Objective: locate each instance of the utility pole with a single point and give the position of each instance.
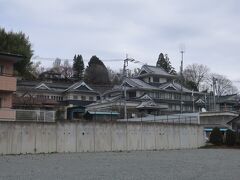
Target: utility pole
(214, 90)
(125, 64)
(193, 104)
(182, 50)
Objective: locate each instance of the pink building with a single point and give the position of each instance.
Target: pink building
(7, 85)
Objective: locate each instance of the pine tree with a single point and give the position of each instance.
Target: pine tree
(17, 43)
(96, 72)
(165, 63)
(78, 67)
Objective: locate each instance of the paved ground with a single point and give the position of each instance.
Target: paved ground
(220, 164)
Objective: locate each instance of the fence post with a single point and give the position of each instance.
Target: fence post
(126, 135)
(94, 135)
(44, 113)
(141, 133)
(155, 134)
(111, 124)
(37, 115)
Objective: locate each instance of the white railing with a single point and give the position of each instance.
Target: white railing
(35, 115)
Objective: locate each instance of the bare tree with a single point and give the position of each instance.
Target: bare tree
(57, 65)
(223, 85)
(36, 69)
(114, 77)
(67, 70)
(196, 73)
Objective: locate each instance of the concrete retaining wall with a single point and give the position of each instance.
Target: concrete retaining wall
(33, 137)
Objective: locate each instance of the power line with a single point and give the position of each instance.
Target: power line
(69, 59)
(85, 60)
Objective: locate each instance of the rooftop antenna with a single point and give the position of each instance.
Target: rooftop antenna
(182, 50)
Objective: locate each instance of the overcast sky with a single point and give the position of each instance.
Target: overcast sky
(142, 28)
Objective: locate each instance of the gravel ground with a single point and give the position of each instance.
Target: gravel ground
(220, 164)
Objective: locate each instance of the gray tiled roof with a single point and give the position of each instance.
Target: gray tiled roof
(156, 70)
(175, 85)
(53, 86)
(137, 83)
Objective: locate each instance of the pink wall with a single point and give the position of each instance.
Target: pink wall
(7, 87)
(7, 114)
(6, 100)
(8, 66)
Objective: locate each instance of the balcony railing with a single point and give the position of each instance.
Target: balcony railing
(7, 82)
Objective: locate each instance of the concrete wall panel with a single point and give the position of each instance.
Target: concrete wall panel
(119, 137)
(28, 138)
(15, 140)
(85, 137)
(60, 137)
(102, 137)
(148, 136)
(134, 136)
(70, 137)
(161, 137)
(46, 138)
(4, 138)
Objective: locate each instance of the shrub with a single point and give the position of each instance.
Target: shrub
(237, 139)
(216, 136)
(230, 137)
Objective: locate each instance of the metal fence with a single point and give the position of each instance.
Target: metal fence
(35, 115)
(187, 118)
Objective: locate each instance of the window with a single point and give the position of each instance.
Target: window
(83, 98)
(132, 94)
(162, 95)
(178, 107)
(90, 98)
(177, 96)
(188, 97)
(157, 95)
(156, 79)
(75, 97)
(1, 69)
(167, 95)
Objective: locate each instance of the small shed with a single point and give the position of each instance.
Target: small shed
(101, 115)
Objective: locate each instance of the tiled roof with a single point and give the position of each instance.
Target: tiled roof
(155, 70)
(137, 83)
(176, 85)
(52, 86)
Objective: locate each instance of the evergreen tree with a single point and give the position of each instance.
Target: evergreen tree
(17, 43)
(96, 72)
(165, 63)
(78, 67)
